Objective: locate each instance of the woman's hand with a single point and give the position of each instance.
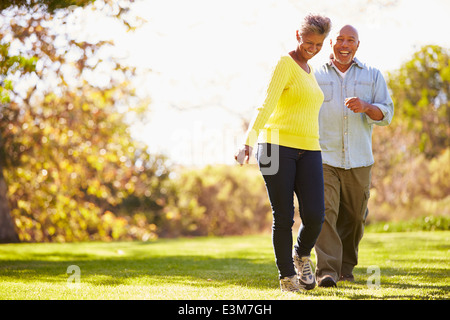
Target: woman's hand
(243, 154)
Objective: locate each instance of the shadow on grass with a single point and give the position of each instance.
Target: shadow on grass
(184, 270)
(202, 272)
(143, 266)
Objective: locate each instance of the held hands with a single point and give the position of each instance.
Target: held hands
(243, 154)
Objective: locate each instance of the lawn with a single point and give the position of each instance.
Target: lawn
(411, 265)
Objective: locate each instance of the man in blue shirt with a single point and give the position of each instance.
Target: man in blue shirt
(356, 98)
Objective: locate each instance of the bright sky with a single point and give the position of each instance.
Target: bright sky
(211, 59)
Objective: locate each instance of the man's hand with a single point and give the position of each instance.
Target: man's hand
(360, 106)
(243, 154)
(356, 104)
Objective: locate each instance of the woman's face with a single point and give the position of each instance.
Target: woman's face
(309, 44)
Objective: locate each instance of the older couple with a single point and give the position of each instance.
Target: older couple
(330, 175)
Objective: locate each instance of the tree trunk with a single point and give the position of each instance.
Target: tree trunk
(7, 232)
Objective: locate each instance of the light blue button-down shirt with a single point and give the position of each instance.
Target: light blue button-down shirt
(345, 136)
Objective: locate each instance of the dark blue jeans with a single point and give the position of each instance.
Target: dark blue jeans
(300, 172)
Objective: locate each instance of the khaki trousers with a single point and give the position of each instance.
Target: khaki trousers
(346, 195)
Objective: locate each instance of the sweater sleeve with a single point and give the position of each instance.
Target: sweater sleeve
(277, 84)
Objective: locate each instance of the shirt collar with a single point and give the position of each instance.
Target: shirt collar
(355, 61)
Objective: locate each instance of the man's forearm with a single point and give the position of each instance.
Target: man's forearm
(373, 112)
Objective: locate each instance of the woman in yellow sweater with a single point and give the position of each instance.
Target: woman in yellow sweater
(287, 130)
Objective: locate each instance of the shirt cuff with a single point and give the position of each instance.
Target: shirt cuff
(384, 110)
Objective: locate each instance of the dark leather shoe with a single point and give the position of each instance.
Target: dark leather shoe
(327, 282)
(347, 277)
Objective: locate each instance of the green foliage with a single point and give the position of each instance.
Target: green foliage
(412, 156)
(11, 64)
(114, 8)
(71, 164)
(50, 5)
(421, 94)
(406, 185)
(70, 161)
(426, 223)
(216, 200)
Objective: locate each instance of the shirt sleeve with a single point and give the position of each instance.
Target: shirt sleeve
(383, 101)
(277, 84)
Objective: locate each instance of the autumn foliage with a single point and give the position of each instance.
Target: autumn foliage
(74, 172)
(67, 154)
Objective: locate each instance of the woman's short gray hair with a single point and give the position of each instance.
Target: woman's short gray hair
(314, 23)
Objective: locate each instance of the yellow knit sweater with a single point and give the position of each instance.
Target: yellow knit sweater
(289, 115)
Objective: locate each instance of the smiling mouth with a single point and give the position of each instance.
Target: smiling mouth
(344, 53)
(310, 53)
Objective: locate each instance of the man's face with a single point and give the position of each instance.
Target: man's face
(345, 45)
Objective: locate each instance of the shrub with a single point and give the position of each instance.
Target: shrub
(216, 200)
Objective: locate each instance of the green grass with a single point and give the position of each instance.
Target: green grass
(412, 265)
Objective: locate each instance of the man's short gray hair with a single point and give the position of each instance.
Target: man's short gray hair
(314, 23)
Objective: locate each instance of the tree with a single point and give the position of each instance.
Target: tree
(412, 154)
(7, 230)
(71, 161)
(9, 65)
(421, 94)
